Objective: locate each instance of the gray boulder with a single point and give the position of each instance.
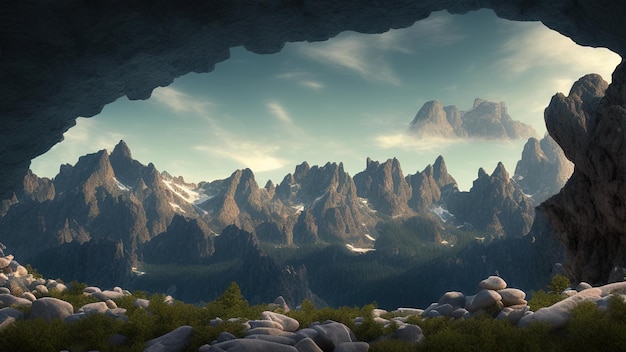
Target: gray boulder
(175, 341)
(409, 333)
(331, 334)
(307, 345)
(453, 298)
(270, 331)
(277, 339)
(8, 300)
(9, 315)
(50, 308)
(94, 308)
(251, 345)
(352, 347)
(483, 300)
(264, 324)
(289, 324)
(512, 297)
(493, 283)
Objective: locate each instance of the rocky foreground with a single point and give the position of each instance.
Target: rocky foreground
(23, 296)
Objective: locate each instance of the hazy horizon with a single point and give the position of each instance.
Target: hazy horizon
(343, 100)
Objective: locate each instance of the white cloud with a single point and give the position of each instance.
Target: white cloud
(85, 137)
(355, 53)
(278, 111)
(368, 55)
(312, 84)
(180, 102)
(410, 142)
(539, 46)
(256, 156)
(302, 78)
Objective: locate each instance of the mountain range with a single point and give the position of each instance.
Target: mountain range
(108, 219)
(485, 120)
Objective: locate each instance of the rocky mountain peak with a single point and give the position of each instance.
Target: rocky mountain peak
(486, 119)
(385, 187)
(440, 173)
(127, 169)
(543, 169)
(122, 150)
(431, 119)
(500, 173)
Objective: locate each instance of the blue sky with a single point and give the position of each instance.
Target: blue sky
(343, 100)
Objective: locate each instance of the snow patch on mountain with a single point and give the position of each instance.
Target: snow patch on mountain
(120, 185)
(187, 194)
(358, 249)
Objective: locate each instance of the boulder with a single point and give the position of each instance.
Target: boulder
(41, 290)
(558, 314)
(582, 286)
(175, 341)
(4, 291)
(409, 333)
(378, 312)
(453, 298)
(264, 324)
(352, 347)
(94, 308)
(8, 300)
(91, 289)
(50, 308)
(9, 315)
(251, 345)
(307, 345)
(512, 296)
(444, 309)
(106, 295)
(493, 283)
(483, 300)
(282, 304)
(270, 331)
(513, 315)
(29, 296)
(458, 313)
(142, 303)
(405, 312)
(277, 339)
(289, 324)
(617, 287)
(331, 334)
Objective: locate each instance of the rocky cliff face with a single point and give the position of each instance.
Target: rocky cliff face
(486, 119)
(494, 205)
(430, 187)
(589, 214)
(384, 186)
(328, 205)
(543, 169)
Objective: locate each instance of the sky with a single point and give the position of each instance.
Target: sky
(343, 100)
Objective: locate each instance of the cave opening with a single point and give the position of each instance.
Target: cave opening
(343, 100)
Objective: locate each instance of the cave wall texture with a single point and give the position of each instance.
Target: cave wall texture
(60, 59)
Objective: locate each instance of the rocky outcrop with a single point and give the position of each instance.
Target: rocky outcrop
(384, 186)
(431, 187)
(543, 169)
(331, 210)
(485, 120)
(186, 242)
(589, 214)
(494, 205)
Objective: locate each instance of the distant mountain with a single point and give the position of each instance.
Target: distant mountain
(543, 169)
(486, 120)
(144, 218)
(494, 205)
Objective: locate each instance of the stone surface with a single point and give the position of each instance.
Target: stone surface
(409, 333)
(50, 308)
(493, 283)
(175, 341)
(453, 298)
(288, 324)
(483, 300)
(512, 296)
(251, 345)
(352, 347)
(307, 345)
(331, 334)
(7, 300)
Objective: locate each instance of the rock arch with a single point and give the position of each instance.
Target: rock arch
(63, 59)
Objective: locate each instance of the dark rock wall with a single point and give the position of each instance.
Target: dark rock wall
(64, 59)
